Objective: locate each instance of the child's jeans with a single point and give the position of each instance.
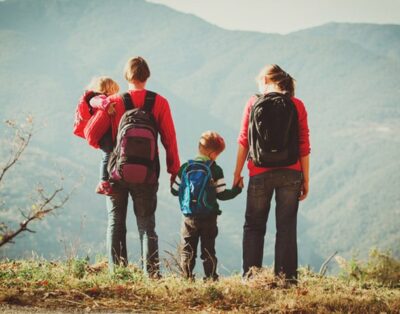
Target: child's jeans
(104, 176)
(193, 229)
(106, 145)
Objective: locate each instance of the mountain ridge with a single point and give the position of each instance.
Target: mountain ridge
(207, 73)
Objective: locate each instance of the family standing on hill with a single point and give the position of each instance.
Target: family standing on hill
(274, 139)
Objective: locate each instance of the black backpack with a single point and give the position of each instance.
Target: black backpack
(135, 156)
(273, 131)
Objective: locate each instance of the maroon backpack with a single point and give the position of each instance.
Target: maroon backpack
(135, 156)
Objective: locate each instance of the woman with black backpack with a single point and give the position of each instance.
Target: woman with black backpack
(274, 138)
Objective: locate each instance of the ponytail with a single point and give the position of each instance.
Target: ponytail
(277, 75)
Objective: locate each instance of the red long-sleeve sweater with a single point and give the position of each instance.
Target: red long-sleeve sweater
(163, 117)
(304, 139)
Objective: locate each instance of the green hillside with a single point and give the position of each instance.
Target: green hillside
(346, 75)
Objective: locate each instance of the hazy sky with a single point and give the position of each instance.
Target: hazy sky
(284, 16)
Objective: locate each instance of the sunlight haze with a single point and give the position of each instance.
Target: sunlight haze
(286, 16)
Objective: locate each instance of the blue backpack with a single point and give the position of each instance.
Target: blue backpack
(196, 188)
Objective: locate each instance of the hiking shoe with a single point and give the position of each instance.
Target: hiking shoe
(104, 187)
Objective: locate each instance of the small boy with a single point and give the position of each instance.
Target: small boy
(200, 182)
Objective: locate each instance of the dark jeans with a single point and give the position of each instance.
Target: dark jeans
(104, 175)
(144, 197)
(194, 229)
(106, 145)
(286, 185)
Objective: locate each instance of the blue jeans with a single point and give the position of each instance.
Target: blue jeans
(286, 184)
(104, 175)
(144, 197)
(106, 145)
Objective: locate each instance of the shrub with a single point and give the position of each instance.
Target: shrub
(381, 268)
(78, 267)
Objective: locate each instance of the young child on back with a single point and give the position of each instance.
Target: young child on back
(93, 116)
(200, 182)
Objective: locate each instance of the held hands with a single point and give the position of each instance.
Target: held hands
(241, 183)
(238, 181)
(304, 190)
(172, 179)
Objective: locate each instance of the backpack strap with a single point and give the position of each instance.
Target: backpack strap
(209, 163)
(149, 101)
(128, 103)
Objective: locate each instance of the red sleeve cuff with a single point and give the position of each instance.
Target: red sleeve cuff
(305, 153)
(243, 142)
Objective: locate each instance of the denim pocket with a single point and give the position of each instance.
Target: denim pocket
(256, 186)
(293, 181)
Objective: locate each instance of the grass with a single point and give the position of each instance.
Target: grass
(76, 285)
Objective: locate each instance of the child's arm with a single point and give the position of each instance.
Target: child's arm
(223, 193)
(103, 102)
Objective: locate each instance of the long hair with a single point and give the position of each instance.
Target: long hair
(275, 74)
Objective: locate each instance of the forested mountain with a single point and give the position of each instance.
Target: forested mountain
(347, 76)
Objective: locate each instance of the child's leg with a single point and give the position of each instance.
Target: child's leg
(208, 233)
(106, 145)
(189, 241)
(104, 176)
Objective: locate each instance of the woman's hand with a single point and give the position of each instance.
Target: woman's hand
(240, 160)
(241, 183)
(304, 190)
(111, 109)
(305, 166)
(237, 179)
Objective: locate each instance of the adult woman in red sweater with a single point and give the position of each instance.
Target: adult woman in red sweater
(290, 184)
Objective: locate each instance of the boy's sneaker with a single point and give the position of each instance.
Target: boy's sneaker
(104, 187)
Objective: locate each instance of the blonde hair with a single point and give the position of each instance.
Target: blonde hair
(275, 74)
(104, 85)
(211, 142)
(136, 69)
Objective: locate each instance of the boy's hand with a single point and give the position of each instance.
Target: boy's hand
(111, 109)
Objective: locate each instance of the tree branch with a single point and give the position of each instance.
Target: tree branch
(46, 204)
(22, 138)
(38, 212)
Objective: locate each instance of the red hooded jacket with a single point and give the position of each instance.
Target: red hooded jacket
(101, 121)
(91, 118)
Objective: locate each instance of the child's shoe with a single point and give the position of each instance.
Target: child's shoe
(104, 187)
